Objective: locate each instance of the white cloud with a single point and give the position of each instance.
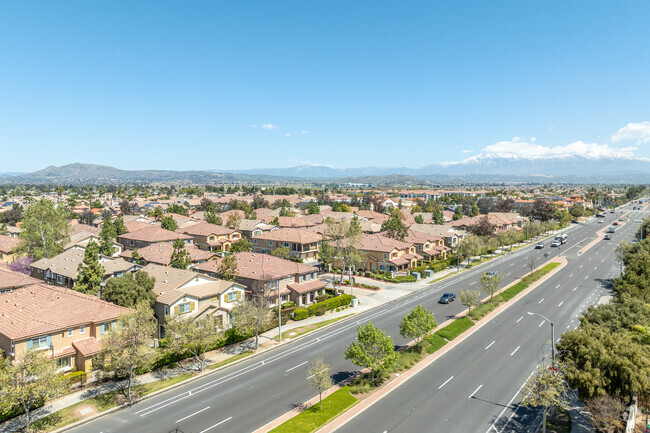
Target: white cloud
(304, 131)
(520, 147)
(640, 132)
(269, 126)
(467, 151)
(287, 135)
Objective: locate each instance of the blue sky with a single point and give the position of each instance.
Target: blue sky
(250, 84)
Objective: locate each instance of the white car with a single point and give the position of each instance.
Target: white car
(556, 243)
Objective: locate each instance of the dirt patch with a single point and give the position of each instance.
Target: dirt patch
(85, 410)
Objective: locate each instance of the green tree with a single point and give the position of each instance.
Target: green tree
(227, 268)
(470, 246)
(157, 213)
(130, 289)
(470, 298)
(107, 238)
(251, 317)
(212, 217)
(394, 226)
(135, 255)
(20, 388)
(96, 204)
(242, 244)
(234, 219)
(417, 324)
(543, 209)
(490, 283)
(577, 211)
(178, 209)
(90, 273)
(275, 221)
(168, 223)
(180, 256)
(119, 226)
(419, 219)
(546, 389)
(372, 349)
(193, 336)
(438, 215)
(282, 252)
(313, 209)
(320, 378)
(45, 230)
(127, 348)
(458, 213)
(475, 210)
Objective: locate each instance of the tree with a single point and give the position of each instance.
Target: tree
(212, 217)
(107, 237)
(205, 204)
(234, 219)
(606, 413)
(251, 317)
(45, 230)
(242, 244)
(282, 252)
(490, 283)
(531, 262)
(18, 384)
(483, 227)
(193, 336)
(543, 209)
(180, 256)
(119, 226)
(485, 205)
(227, 268)
(275, 221)
(157, 213)
(546, 389)
(127, 348)
(177, 209)
(87, 217)
(417, 324)
(458, 213)
(168, 223)
(22, 265)
(394, 226)
(506, 205)
(343, 238)
(470, 246)
(130, 289)
(96, 204)
(475, 210)
(419, 219)
(126, 207)
(13, 215)
(438, 215)
(90, 273)
(372, 349)
(135, 255)
(470, 298)
(577, 211)
(320, 379)
(313, 209)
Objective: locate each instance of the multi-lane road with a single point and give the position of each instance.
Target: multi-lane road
(490, 365)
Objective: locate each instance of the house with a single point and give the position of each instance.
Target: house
(10, 280)
(211, 237)
(161, 253)
(429, 246)
(450, 235)
(67, 325)
(62, 270)
(80, 239)
(150, 235)
(185, 292)
(264, 275)
(302, 244)
(8, 248)
(251, 228)
(384, 254)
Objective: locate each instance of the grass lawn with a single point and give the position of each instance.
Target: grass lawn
(313, 418)
(455, 328)
(436, 342)
(229, 360)
(293, 333)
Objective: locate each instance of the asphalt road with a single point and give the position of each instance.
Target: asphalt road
(246, 396)
(476, 386)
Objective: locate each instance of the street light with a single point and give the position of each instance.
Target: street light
(552, 337)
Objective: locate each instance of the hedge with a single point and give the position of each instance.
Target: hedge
(319, 308)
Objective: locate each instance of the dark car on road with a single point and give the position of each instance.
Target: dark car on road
(447, 298)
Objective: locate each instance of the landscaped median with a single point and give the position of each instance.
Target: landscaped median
(410, 360)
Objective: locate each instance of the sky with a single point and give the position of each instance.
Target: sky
(258, 84)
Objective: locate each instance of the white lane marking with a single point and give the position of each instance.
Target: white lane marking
(510, 402)
(299, 365)
(520, 319)
(541, 300)
(570, 275)
(219, 423)
(574, 289)
(472, 394)
(471, 284)
(557, 287)
(586, 277)
(595, 268)
(508, 274)
(446, 382)
(540, 325)
(515, 351)
(189, 416)
(581, 266)
(488, 346)
(561, 304)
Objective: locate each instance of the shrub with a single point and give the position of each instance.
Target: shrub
(321, 298)
(77, 377)
(320, 310)
(300, 314)
(289, 304)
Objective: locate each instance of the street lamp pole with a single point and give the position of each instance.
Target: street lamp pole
(279, 316)
(552, 338)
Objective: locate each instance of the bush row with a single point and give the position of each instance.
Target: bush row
(319, 308)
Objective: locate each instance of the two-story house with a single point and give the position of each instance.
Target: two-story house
(8, 248)
(302, 244)
(150, 235)
(266, 275)
(185, 292)
(211, 237)
(431, 247)
(160, 253)
(384, 254)
(67, 325)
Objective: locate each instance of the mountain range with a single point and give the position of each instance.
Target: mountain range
(484, 168)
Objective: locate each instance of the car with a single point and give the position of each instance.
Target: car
(446, 298)
(539, 246)
(599, 215)
(574, 221)
(556, 243)
(621, 219)
(615, 223)
(600, 221)
(607, 237)
(637, 221)
(491, 273)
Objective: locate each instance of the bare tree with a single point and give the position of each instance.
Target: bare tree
(251, 317)
(490, 283)
(470, 298)
(320, 379)
(193, 336)
(606, 412)
(531, 262)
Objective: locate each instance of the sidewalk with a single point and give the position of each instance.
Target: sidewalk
(580, 418)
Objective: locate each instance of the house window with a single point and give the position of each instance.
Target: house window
(131, 242)
(419, 247)
(184, 308)
(255, 241)
(274, 284)
(12, 348)
(166, 310)
(39, 343)
(385, 256)
(382, 267)
(286, 244)
(235, 236)
(82, 329)
(63, 362)
(270, 243)
(59, 279)
(69, 332)
(232, 296)
(214, 298)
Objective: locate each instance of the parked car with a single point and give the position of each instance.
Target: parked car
(574, 221)
(607, 237)
(615, 223)
(539, 246)
(447, 298)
